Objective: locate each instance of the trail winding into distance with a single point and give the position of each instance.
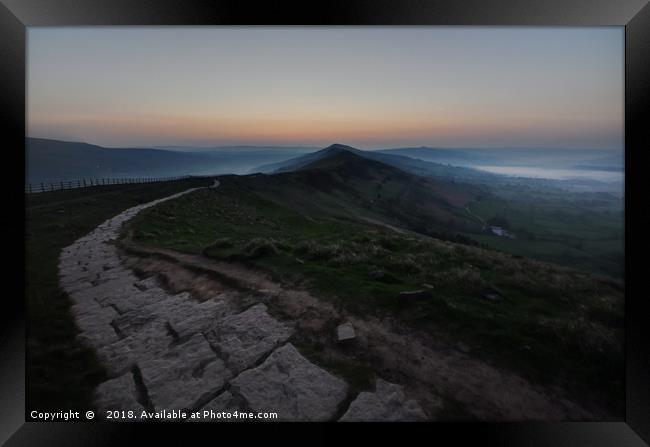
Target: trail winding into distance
(165, 351)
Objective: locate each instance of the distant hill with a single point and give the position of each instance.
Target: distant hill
(533, 157)
(457, 157)
(408, 164)
(337, 181)
(241, 149)
(53, 160)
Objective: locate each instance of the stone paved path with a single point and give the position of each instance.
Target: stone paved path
(173, 352)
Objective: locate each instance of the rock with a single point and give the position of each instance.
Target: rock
(414, 294)
(491, 297)
(219, 409)
(184, 377)
(184, 315)
(118, 394)
(193, 316)
(387, 403)
(96, 329)
(287, 383)
(133, 321)
(223, 402)
(147, 283)
(345, 331)
(246, 337)
(151, 341)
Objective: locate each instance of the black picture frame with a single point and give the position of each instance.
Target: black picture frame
(16, 15)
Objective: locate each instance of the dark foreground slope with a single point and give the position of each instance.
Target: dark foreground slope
(330, 229)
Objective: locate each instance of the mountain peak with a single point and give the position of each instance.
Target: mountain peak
(336, 147)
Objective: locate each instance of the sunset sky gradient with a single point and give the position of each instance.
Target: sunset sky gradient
(370, 87)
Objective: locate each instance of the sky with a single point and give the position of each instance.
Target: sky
(369, 87)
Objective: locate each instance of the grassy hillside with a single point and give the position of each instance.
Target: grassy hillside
(550, 222)
(61, 373)
(552, 324)
(347, 185)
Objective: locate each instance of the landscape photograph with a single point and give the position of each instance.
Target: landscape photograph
(325, 224)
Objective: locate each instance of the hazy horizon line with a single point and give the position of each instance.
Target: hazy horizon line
(323, 146)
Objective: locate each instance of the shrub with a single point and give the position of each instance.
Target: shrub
(224, 242)
(381, 275)
(260, 247)
(405, 263)
(317, 252)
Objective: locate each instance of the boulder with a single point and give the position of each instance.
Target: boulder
(345, 332)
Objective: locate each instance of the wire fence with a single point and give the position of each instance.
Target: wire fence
(32, 188)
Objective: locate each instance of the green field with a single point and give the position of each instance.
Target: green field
(580, 230)
(61, 373)
(553, 324)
